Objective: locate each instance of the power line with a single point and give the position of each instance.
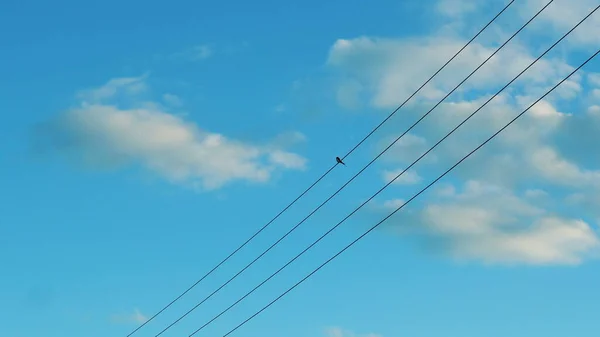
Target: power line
(316, 182)
(389, 183)
(232, 253)
(416, 195)
(346, 184)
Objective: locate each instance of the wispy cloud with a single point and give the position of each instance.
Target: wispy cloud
(117, 86)
(407, 178)
(102, 132)
(492, 224)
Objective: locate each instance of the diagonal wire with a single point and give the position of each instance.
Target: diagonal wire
(430, 78)
(311, 186)
(319, 179)
(389, 183)
(412, 198)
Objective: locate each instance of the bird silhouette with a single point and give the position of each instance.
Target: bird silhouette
(339, 161)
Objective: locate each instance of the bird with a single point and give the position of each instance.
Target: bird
(339, 161)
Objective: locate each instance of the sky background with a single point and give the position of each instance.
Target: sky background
(143, 141)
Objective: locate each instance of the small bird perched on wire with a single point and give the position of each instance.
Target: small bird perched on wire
(339, 161)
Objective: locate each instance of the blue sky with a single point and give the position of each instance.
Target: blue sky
(143, 141)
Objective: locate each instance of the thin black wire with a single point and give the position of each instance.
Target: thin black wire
(389, 183)
(231, 254)
(318, 180)
(421, 87)
(322, 176)
(394, 212)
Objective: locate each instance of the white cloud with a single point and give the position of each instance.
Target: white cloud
(594, 79)
(409, 177)
(393, 203)
(166, 144)
(287, 159)
(392, 69)
(489, 223)
(561, 16)
(456, 8)
(510, 210)
(547, 162)
(124, 85)
(444, 190)
(594, 110)
(406, 149)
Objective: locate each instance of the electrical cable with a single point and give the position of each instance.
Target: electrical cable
(314, 243)
(315, 183)
(412, 198)
(319, 179)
